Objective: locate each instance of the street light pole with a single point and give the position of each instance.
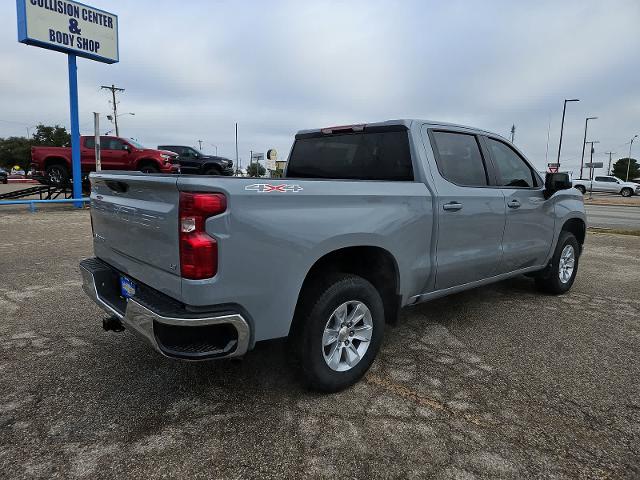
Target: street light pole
(564, 109)
(216, 147)
(629, 159)
(584, 142)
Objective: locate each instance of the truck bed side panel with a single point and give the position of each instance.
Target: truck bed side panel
(268, 241)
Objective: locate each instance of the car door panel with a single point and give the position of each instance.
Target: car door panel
(529, 224)
(471, 216)
(529, 229)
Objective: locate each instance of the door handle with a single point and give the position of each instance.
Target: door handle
(452, 206)
(513, 204)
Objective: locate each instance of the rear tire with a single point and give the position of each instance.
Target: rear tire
(337, 332)
(581, 189)
(626, 192)
(57, 175)
(561, 272)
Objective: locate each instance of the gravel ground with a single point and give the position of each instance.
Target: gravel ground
(499, 382)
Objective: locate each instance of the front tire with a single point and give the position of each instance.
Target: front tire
(149, 168)
(581, 189)
(626, 192)
(559, 276)
(338, 331)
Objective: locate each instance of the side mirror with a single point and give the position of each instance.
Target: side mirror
(126, 148)
(554, 182)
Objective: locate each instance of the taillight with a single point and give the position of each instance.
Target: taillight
(198, 251)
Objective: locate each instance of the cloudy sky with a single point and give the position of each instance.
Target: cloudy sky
(193, 69)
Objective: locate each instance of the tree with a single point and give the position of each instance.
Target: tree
(55, 136)
(15, 151)
(620, 168)
(256, 169)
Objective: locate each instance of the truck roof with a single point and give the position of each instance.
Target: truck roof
(407, 122)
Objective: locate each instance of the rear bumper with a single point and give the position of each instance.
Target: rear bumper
(165, 324)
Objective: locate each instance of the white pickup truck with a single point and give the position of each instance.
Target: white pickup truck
(609, 184)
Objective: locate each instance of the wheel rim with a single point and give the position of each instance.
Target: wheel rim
(625, 193)
(347, 335)
(567, 263)
(55, 175)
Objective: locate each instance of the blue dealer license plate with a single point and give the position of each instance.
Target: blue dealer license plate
(127, 287)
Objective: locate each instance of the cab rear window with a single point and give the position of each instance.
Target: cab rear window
(365, 155)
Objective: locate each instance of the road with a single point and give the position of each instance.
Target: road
(499, 382)
(606, 216)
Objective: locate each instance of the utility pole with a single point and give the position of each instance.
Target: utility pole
(584, 142)
(513, 132)
(591, 168)
(609, 168)
(250, 160)
(564, 109)
(114, 89)
(546, 155)
(629, 159)
(200, 144)
(237, 164)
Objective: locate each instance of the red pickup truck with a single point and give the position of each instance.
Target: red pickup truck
(52, 165)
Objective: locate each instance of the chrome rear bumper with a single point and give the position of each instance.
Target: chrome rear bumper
(151, 324)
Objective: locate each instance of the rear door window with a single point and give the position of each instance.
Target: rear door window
(110, 143)
(511, 168)
(368, 155)
(459, 159)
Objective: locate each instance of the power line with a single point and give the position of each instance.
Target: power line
(114, 89)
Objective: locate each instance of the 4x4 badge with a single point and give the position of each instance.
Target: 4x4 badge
(267, 187)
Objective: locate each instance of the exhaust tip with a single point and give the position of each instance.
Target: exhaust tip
(112, 324)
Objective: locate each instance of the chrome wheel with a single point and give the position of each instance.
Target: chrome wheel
(347, 335)
(56, 175)
(567, 263)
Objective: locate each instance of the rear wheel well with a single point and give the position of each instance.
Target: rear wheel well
(374, 264)
(205, 169)
(577, 227)
(54, 161)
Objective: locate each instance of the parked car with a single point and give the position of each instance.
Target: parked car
(3, 176)
(368, 219)
(195, 162)
(52, 165)
(608, 183)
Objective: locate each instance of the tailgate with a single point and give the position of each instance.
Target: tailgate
(135, 226)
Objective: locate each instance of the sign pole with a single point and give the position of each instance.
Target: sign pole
(96, 128)
(75, 130)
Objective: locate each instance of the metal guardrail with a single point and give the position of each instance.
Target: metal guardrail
(32, 203)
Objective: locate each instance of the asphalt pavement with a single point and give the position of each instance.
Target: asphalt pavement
(498, 382)
(607, 216)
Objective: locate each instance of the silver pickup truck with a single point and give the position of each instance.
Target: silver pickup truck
(368, 219)
(607, 183)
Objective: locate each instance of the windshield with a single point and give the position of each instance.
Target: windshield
(136, 144)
